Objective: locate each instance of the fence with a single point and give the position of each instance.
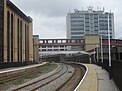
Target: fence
(116, 71)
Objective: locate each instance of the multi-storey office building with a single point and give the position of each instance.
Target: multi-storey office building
(82, 22)
(16, 41)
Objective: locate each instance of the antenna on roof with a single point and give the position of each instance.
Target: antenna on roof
(103, 9)
(82, 8)
(100, 8)
(97, 8)
(76, 10)
(69, 11)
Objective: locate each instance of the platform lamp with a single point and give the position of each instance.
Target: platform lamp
(110, 69)
(97, 53)
(101, 52)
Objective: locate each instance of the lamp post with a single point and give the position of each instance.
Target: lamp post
(94, 56)
(97, 53)
(101, 52)
(110, 71)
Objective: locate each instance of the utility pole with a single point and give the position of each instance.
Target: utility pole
(110, 71)
(101, 52)
(97, 53)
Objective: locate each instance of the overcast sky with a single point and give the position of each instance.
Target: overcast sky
(49, 16)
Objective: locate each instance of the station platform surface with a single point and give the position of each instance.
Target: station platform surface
(21, 67)
(96, 79)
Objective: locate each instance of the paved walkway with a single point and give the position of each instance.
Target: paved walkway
(104, 83)
(96, 80)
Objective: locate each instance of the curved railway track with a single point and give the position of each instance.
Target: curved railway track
(72, 82)
(8, 78)
(44, 81)
(15, 77)
(72, 74)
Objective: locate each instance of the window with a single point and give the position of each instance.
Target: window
(49, 46)
(8, 36)
(61, 49)
(18, 38)
(43, 49)
(43, 46)
(55, 46)
(49, 49)
(120, 55)
(12, 38)
(61, 46)
(55, 49)
(21, 40)
(1, 30)
(27, 43)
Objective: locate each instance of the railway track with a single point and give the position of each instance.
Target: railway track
(42, 82)
(51, 83)
(64, 78)
(18, 75)
(72, 82)
(14, 78)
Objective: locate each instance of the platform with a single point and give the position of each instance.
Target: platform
(20, 68)
(96, 79)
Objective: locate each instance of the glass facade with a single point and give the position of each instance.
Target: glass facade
(80, 23)
(77, 25)
(1, 29)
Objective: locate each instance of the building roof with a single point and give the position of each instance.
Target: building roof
(18, 11)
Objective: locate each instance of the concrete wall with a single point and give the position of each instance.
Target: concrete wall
(68, 26)
(91, 42)
(31, 41)
(36, 48)
(5, 32)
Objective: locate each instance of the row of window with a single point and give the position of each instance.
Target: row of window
(104, 20)
(77, 25)
(54, 50)
(87, 18)
(76, 33)
(104, 28)
(52, 46)
(81, 22)
(101, 27)
(90, 24)
(76, 29)
(77, 20)
(75, 37)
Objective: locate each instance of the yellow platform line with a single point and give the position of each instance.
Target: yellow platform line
(90, 81)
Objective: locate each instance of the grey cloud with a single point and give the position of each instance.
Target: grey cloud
(49, 27)
(48, 7)
(49, 15)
